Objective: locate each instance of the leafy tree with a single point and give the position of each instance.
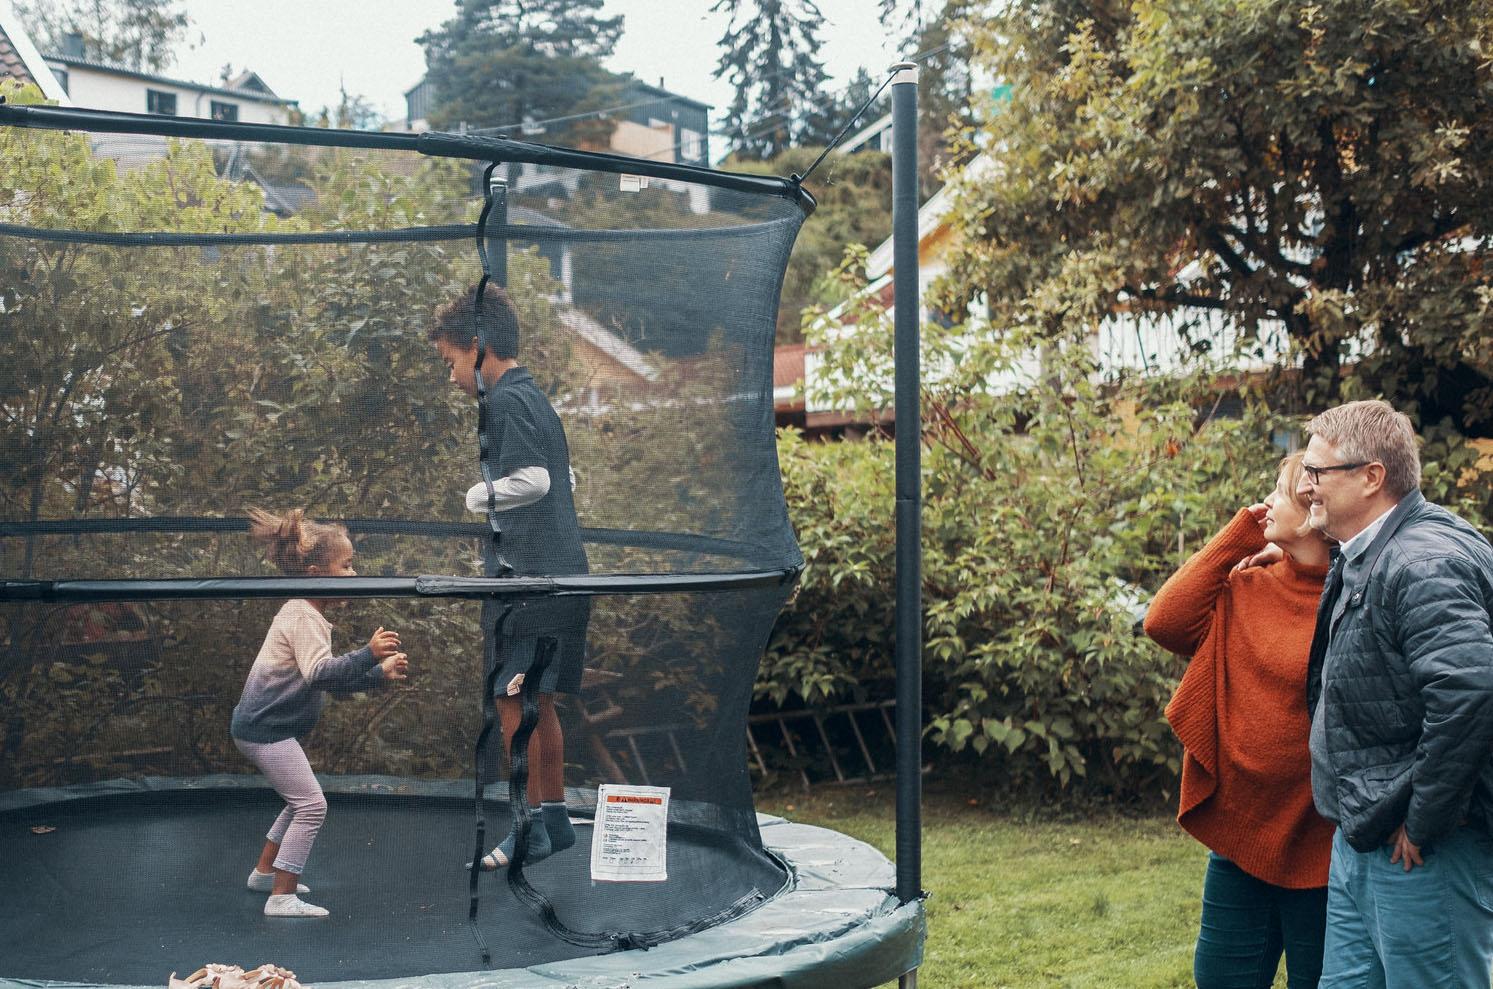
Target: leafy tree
(500, 62)
(770, 56)
(1314, 174)
(1057, 496)
(947, 103)
(135, 34)
(854, 193)
(353, 111)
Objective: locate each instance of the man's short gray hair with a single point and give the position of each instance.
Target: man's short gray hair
(1372, 431)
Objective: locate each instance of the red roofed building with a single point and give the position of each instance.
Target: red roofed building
(794, 364)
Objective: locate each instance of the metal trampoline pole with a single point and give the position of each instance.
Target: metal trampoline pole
(498, 259)
(909, 616)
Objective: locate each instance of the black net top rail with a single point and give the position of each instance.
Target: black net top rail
(506, 588)
(426, 585)
(434, 144)
(531, 233)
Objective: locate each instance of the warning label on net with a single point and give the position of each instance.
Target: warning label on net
(631, 841)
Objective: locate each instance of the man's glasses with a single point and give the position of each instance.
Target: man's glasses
(1315, 473)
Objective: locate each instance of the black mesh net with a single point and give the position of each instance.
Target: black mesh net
(191, 328)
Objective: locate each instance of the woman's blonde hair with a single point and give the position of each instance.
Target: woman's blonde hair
(1291, 470)
(295, 542)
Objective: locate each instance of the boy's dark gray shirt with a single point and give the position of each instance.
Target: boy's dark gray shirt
(543, 538)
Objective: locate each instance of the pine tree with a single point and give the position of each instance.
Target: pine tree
(823, 122)
(501, 62)
(769, 57)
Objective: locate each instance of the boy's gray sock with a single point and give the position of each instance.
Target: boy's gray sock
(557, 824)
(539, 844)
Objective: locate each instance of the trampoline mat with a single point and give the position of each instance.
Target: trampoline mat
(127, 889)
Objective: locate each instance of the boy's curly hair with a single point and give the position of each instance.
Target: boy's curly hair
(457, 322)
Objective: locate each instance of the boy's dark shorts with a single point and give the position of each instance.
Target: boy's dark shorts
(516, 655)
(564, 620)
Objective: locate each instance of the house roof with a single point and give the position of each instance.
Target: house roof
(11, 64)
(19, 58)
(860, 137)
(238, 94)
(643, 87)
(788, 375)
(605, 341)
(249, 80)
(788, 364)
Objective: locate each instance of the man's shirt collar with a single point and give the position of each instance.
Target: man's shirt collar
(1354, 548)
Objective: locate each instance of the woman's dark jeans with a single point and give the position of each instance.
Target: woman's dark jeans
(1248, 923)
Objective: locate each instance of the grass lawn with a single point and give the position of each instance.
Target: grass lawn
(1104, 901)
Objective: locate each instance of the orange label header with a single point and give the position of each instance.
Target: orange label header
(618, 798)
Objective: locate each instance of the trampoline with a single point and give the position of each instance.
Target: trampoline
(215, 317)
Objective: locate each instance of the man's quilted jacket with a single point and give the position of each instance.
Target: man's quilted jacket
(1408, 695)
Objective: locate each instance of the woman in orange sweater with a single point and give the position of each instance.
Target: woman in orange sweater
(1240, 712)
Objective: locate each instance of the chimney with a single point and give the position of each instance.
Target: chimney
(72, 45)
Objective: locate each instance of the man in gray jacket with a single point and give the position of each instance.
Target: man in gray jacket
(1400, 687)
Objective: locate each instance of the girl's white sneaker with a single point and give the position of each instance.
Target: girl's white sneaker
(290, 905)
(264, 882)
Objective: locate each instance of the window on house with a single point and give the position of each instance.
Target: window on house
(225, 111)
(61, 75)
(690, 146)
(159, 102)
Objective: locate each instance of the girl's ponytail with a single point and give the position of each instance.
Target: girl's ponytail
(293, 541)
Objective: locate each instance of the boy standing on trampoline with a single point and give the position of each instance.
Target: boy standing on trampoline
(283, 697)
(531, 494)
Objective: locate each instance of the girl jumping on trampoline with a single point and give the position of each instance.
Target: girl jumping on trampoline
(531, 495)
(283, 698)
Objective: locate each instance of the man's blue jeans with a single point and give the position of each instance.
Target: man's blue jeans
(1429, 928)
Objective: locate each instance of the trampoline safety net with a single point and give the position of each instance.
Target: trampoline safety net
(192, 327)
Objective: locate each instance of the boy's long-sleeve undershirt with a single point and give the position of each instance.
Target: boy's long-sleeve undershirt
(524, 486)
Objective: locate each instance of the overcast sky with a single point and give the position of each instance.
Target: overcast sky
(306, 49)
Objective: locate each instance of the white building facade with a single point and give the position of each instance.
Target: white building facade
(244, 99)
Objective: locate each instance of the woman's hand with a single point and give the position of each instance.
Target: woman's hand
(383, 643)
(396, 667)
(1270, 554)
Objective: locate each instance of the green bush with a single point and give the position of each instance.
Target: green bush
(1057, 499)
(1036, 558)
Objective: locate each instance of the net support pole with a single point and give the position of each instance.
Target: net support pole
(498, 251)
(909, 613)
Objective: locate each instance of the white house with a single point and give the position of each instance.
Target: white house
(1140, 341)
(243, 99)
(70, 78)
(1132, 341)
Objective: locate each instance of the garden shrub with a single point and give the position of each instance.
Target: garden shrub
(1057, 499)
